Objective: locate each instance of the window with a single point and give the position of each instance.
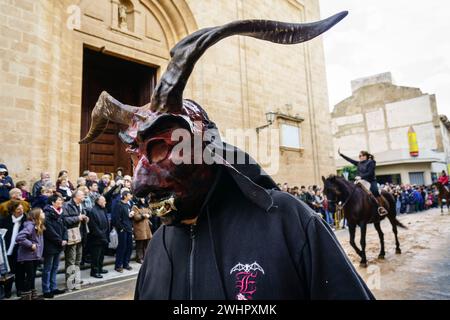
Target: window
(416, 178)
(290, 136)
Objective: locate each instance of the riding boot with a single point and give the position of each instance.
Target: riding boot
(381, 209)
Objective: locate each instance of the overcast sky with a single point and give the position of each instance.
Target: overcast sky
(410, 38)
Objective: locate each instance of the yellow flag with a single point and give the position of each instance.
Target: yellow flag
(413, 145)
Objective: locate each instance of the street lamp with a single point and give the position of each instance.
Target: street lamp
(270, 118)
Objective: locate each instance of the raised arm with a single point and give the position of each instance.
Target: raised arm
(354, 162)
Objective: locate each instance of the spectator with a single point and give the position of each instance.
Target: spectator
(64, 174)
(92, 195)
(30, 242)
(63, 187)
(6, 183)
(85, 174)
(81, 182)
(37, 186)
(443, 179)
(98, 236)
(124, 228)
(141, 228)
(13, 223)
(15, 195)
(55, 240)
(92, 177)
(119, 174)
(42, 199)
(104, 183)
(22, 185)
(75, 221)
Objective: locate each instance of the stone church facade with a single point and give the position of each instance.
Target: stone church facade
(56, 56)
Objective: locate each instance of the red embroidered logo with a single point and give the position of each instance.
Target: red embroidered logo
(246, 275)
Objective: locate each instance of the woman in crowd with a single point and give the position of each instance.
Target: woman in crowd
(98, 236)
(41, 200)
(30, 243)
(63, 174)
(81, 182)
(55, 239)
(63, 187)
(141, 227)
(13, 223)
(22, 186)
(119, 174)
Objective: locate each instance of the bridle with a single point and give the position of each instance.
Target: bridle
(341, 206)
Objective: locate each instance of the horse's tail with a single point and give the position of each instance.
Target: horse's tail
(398, 223)
(392, 210)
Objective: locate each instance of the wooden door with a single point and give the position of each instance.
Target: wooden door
(130, 83)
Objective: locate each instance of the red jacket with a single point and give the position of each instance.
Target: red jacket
(443, 180)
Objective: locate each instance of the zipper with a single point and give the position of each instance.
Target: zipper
(191, 260)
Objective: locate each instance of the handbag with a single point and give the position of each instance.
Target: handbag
(113, 239)
(74, 236)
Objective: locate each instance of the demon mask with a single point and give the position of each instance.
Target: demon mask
(178, 179)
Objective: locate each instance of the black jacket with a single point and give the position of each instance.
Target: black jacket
(366, 168)
(71, 213)
(55, 231)
(98, 226)
(7, 223)
(249, 243)
(122, 220)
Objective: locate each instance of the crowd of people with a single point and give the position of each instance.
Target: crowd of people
(93, 217)
(84, 220)
(409, 198)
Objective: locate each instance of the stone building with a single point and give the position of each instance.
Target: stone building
(58, 55)
(377, 118)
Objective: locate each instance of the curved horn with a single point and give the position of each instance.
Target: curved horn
(108, 109)
(168, 94)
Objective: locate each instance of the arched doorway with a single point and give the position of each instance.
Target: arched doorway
(127, 81)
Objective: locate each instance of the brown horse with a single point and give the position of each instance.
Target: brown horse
(361, 209)
(443, 194)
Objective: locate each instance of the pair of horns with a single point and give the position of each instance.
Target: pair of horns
(168, 94)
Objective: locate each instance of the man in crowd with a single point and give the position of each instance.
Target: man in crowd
(124, 227)
(37, 186)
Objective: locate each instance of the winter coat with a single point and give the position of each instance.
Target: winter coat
(25, 240)
(64, 194)
(141, 224)
(7, 223)
(37, 186)
(250, 242)
(71, 216)
(4, 189)
(98, 226)
(40, 201)
(366, 168)
(122, 221)
(55, 231)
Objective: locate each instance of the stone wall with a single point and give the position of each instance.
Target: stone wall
(237, 81)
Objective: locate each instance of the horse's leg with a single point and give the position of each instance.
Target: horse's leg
(363, 227)
(352, 231)
(381, 236)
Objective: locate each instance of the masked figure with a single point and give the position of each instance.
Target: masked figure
(228, 232)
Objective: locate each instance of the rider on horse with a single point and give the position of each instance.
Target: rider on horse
(443, 179)
(366, 171)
